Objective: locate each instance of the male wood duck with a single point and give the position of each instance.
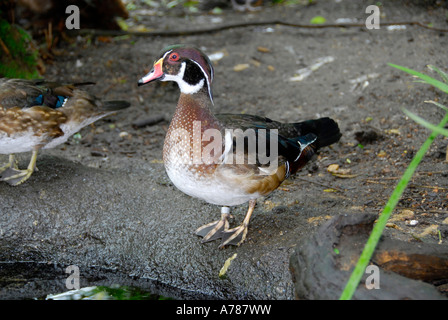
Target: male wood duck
(212, 174)
(36, 114)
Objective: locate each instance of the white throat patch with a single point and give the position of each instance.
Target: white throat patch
(184, 86)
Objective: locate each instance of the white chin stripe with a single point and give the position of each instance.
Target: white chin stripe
(184, 86)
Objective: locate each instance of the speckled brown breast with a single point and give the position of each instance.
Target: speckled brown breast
(183, 142)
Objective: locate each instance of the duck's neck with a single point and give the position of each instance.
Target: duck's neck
(192, 108)
(184, 140)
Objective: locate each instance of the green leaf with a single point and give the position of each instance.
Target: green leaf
(122, 24)
(190, 3)
(318, 20)
(217, 10)
(436, 83)
(172, 4)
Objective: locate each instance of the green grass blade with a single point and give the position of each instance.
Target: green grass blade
(442, 74)
(425, 123)
(378, 228)
(436, 83)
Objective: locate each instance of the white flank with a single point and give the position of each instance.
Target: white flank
(23, 142)
(209, 189)
(28, 141)
(70, 129)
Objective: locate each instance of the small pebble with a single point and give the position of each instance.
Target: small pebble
(123, 134)
(241, 67)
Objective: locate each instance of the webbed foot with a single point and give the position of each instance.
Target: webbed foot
(236, 236)
(214, 230)
(12, 163)
(14, 176)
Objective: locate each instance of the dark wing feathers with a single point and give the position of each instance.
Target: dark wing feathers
(28, 93)
(326, 129)
(296, 142)
(292, 138)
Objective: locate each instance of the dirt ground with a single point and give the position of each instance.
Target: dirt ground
(103, 202)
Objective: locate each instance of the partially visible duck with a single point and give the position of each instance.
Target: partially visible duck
(36, 114)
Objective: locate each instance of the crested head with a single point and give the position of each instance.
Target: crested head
(186, 65)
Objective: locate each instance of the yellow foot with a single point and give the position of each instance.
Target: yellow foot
(15, 177)
(214, 230)
(12, 175)
(236, 236)
(11, 164)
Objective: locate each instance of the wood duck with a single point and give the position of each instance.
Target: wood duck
(213, 174)
(36, 114)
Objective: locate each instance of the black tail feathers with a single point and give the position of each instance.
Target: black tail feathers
(326, 130)
(115, 105)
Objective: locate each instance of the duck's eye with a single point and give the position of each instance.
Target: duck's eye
(174, 56)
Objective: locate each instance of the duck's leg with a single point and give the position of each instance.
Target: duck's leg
(14, 176)
(214, 230)
(11, 164)
(236, 236)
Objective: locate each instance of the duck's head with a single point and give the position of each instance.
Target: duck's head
(186, 65)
